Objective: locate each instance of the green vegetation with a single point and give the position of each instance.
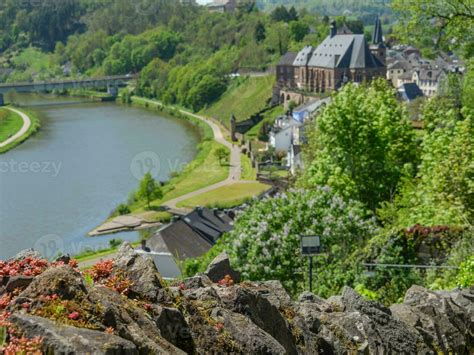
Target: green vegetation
(148, 190)
(449, 23)
(204, 170)
(248, 173)
(374, 192)
(227, 196)
(35, 125)
(260, 130)
(363, 138)
(10, 123)
(244, 97)
(223, 155)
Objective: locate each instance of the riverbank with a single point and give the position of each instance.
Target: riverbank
(16, 126)
(205, 170)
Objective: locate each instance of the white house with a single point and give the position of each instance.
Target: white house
(281, 134)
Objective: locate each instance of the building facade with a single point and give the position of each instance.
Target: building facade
(342, 57)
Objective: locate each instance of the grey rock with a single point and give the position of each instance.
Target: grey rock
(27, 253)
(443, 319)
(261, 312)
(62, 339)
(142, 272)
(18, 282)
(64, 281)
(220, 267)
(197, 281)
(130, 322)
(249, 338)
(173, 327)
(274, 292)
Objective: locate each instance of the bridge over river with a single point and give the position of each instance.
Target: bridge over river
(112, 83)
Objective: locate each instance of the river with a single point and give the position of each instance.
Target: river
(66, 179)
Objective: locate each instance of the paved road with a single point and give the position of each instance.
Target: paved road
(235, 166)
(26, 126)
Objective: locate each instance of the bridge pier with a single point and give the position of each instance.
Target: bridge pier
(112, 90)
(2, 101)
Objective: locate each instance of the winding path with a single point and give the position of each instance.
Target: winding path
(235, 165)
(26, 126)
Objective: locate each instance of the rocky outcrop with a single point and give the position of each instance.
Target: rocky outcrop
(220, 267)
(60, 339)
(210, 314)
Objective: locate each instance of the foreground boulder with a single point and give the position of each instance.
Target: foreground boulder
(213, 313)
(59, 339)
(220, 268)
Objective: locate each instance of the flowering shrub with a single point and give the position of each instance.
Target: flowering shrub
(101, 270)
(265, 242)
(102, 273)
(119, 283)
(14, 343)
(26, 267)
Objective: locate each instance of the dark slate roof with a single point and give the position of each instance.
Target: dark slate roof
(181, 241)
(344, 30)
(399, 64)
(410, 91)
(303, 56)
(192, 235)
(288, 58)
(377, 36)
(344, 51)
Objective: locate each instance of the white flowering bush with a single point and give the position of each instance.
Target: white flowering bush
(265, 242)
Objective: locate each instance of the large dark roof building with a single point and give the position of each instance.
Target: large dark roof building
(192, 235)
(341, 57)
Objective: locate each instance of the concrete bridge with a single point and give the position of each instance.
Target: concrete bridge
(112, 83)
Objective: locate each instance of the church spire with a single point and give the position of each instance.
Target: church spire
(377, 37)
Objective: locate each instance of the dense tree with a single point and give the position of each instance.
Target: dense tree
(443, 191)
(265, 241)
(451, 23)
(281, 14)
(298, 30)
(259, 32)
(361, 145)
(222, 154)
(149, 189)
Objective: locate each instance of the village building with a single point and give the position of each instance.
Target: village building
(186, 237)
(223, 6)
(340, 58)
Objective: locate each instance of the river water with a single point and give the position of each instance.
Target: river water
(66, 179)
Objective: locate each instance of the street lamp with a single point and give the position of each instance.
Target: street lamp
(310, 246)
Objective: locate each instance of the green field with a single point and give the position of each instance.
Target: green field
(248, 173)
(203, 171)
(10, 123)
(244, 97)
(227, 196)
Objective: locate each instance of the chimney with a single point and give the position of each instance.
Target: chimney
(333, 29)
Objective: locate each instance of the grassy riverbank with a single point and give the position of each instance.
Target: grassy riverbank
(227, 196)
(11, 123)
(203, 171)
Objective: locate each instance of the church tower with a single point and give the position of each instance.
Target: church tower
(377, 46)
